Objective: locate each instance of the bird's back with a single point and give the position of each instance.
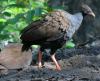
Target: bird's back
(48, 29)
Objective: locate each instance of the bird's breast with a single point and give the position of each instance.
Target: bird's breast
(75, 22)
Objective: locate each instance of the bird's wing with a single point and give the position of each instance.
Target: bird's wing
(50, 28)
(31, 32)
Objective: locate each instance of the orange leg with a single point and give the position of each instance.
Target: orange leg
(40, 59)
(56, 63)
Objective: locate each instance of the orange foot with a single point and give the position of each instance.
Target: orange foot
(58, 68)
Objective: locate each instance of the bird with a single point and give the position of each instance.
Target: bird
(53, 31)
(11, 57)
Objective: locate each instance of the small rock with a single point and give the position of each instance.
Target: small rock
(11, 57)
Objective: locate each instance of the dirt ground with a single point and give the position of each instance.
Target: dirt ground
(78, 64)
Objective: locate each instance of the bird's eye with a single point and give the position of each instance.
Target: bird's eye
(88, 11)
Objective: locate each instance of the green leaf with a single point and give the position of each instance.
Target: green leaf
(2, 20)
(7, 14)
(29, 15)
(37, 4)
(3, 36)
(38, 11)
(2, 26)
(16, 5)
(69, 44)
(40, 4)
(15, 19)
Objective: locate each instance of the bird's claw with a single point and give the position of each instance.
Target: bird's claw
(58, 68)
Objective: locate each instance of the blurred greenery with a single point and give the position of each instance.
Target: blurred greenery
(69, 44)
(17, 14)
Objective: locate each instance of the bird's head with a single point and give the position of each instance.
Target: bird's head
(86, 10)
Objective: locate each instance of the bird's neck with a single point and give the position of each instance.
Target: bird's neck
(75, 22)
(83, 14)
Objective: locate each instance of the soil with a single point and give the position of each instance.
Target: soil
(78, 64)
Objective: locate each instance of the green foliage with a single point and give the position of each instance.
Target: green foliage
(16, 14)
(70, 44)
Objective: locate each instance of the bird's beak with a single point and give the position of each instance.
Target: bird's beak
(92, 14)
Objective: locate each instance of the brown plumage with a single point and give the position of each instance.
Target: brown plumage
(49, 29)
(53, 31)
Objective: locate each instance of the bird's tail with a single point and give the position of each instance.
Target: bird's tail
(25, 47)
